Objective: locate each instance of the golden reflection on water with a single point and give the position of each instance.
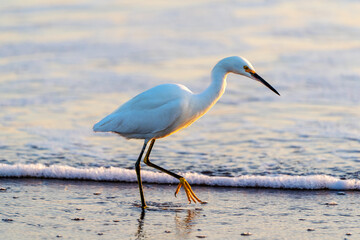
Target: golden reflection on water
(184, 225)
(63, 61)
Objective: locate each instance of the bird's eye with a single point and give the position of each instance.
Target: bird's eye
(247, 69)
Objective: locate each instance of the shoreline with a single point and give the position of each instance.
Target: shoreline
(170, 184)
(116, 174)
(46, 208)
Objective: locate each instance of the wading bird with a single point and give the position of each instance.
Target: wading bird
(167, 108)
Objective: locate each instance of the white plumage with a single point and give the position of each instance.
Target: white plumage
(167, 108)
(154, 113)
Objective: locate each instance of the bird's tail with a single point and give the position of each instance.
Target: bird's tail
(109, 124)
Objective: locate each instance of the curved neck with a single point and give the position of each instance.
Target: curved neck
(211, 95)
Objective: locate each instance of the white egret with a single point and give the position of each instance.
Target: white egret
(167, 108)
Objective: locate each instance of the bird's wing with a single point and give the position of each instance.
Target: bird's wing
(148, 113)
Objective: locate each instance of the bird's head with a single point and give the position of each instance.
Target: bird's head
(240, 65)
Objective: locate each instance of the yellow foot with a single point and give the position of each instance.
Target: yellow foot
(189, 192)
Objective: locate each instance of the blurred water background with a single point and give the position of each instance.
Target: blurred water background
(64, 65)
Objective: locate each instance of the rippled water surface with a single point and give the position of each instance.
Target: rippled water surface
(52, 209)
(65, 65)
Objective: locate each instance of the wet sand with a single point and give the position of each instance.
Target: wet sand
(48, 209)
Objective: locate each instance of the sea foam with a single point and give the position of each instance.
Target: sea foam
(311, 182)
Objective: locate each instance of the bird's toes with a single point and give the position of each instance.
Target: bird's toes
(178, 189)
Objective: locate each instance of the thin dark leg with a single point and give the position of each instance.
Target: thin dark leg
(147, 162)
(137, 168)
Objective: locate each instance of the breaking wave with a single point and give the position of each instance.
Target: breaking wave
(311, 182)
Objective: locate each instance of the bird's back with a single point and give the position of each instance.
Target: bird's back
(151, 114)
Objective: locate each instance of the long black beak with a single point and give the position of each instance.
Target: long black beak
(260, 79)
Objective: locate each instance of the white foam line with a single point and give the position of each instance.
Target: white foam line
(126, 175)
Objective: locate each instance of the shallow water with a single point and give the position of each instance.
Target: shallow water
(45, 209)
(65, 65)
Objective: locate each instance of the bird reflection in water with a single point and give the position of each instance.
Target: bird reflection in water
(140, 230)
(183, 224)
